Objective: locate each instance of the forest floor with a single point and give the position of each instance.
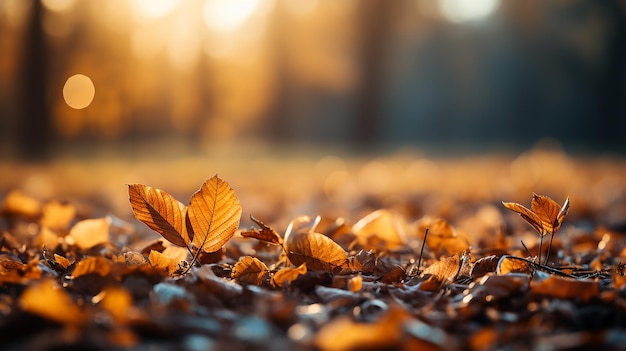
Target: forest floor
(78, 271)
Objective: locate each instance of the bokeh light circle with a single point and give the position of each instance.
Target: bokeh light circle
(78, 91)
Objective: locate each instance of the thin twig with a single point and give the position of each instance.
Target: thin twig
(549, 249)
(419, 261)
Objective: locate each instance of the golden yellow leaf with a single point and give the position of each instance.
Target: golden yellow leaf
(213, 215)
(507, 264)
(545, 215)
(18, 203)
(92, 265)
(46, 238)
(382, 226)
(355, 283)
(319, 252)
(266, 233)
(57, 216)
(287, 275)
(250, 270)
(117, 301)
(46, 299)
(161, 212)
(90, 232)
(161, 261)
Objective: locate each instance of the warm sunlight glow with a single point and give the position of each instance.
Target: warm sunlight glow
(467, 10)
(78, 91)
(153, 8)
(227, 15)
(301, 7)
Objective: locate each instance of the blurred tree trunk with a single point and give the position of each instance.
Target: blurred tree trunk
(33, 126)
(376, 18)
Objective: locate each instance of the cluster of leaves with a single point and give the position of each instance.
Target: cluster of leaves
(382, 282)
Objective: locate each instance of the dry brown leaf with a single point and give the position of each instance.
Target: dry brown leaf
(213, 215)
(444, 270)
(566, 288)
(508, 264)
(92, 265)
(266, 233)
(90, 232)
(319, 252)
(57, 216)
(545, 215)
(161, 212)
(250, 270)
(380, 229)
(288, 274)
(46, 299)
(442, 237)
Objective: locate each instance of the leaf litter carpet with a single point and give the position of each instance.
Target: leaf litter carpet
(396, 252)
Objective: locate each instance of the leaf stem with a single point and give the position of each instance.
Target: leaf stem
(549, 249)
(419, 261)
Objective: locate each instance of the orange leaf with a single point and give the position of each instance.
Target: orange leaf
(250, 270)
(164, 262)
(507, 264)
(160, 211)
(445, 270)
(545, 214)
(46, 299)
(287, 275)
(213, 215)
(266, 233)
(382, 225)
(90, 232)
(92, 265)
(566, 288)
(57, 215)
(442, 237)
(319, 252)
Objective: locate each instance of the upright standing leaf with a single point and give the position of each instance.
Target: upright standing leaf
(160, 211)
(545, 215)
(213, 215)
(266, 233)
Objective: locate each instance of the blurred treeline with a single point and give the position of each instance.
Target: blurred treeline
(356, 74)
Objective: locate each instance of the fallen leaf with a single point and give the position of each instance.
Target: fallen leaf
(161, 212)
(442, 237)
(164, 262)
(57, 216)
(484, 265)
(46, 299)
(288, 274)
(318, 251)
(213, 215)
(62, 261)
(355, 283)
(266, 233)
(444, 270)
(380, 229)
(90, 232)
(92, 265)
(566, 288)
(250, 270)
(509, 264)
(46, 238)
(117, 301)
(545, 215)
(20, 204)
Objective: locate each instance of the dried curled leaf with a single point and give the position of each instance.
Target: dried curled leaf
(545, 215)
(160, 211)
(287, 275)
(319, 252)
(442, 237)
(213, 215)
(250, 270)
(92, 265)
(509, 264)
(266, 233)
(445, 270)
(162, 261)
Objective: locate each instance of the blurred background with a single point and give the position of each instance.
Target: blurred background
(428, 107)
(198, 75)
